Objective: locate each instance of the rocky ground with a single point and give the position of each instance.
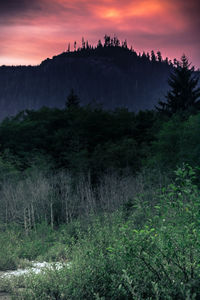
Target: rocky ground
(4, 296)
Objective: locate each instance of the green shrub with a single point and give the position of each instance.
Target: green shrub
(8, 244)
(117, 258)
(177, 142)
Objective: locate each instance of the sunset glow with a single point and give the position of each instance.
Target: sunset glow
(34, 30)
(140, 10)
(111, 13)
(145, 8)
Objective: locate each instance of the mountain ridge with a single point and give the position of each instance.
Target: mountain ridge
(112, 75)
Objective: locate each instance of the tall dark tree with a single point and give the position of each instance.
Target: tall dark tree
(106, 40)
(75, 44)
(72, 100)
(68, 49)
(153, 56)
(99, 45)
(159, 56)
(124, 44)
(83, 43)
(116, 41)
(184, 95)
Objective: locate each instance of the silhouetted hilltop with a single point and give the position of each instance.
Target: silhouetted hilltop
(110, 74)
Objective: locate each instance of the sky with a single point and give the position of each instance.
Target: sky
(32, 30)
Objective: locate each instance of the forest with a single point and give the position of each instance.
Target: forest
(110, 74)
(112, 194)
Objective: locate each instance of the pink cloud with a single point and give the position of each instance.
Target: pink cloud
(34, 30)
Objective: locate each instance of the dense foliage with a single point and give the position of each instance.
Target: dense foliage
(92, 140)
(148, 249)
(79, 138)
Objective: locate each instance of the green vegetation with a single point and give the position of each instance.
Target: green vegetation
(18, 249)
(98, 189)
(78, 139)
(147, 249)
(177, 142)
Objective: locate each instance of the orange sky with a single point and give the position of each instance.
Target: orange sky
(31, 31)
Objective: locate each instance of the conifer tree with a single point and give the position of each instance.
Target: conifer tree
(83, 43)
(106, 41)
(99, 45)
(184, 95)
(153, 56)
(72, 100)
(159, 56)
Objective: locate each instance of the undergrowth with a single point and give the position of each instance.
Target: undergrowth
(145, 250)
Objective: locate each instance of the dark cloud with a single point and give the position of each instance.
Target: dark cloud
(191, 12)
(36, 11)
(15, 7)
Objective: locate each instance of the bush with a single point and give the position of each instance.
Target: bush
(121, 259)
(177, 142)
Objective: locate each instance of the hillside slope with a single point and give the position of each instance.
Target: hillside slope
(111, 75)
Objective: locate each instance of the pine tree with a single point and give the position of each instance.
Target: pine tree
(184, 95)
(159, 56)
(153, 56)
(106, 40)
(83, 43)
(72, 100)
(99, 45)
(75, 44)
(116, 41)
(68, 50)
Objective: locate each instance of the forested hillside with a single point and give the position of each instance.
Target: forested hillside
(110, 74)
(91, 141)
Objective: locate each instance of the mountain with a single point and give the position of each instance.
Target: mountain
(109, 74)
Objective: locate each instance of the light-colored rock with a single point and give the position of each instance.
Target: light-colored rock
(36, 268)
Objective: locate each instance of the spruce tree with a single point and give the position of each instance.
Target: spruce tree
(184, 95)
(72, 100)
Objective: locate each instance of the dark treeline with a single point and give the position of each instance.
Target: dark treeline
(110, 73)
(93, 139)
(82, 144)
(81, 138)
(73, 151)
